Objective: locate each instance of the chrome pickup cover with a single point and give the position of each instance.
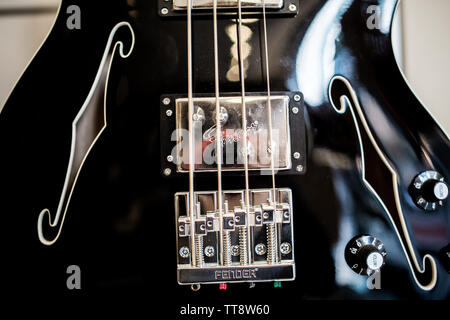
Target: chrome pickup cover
(240, 245)
(250, 8)
(288, 121)
(222, 4)
(258, 133)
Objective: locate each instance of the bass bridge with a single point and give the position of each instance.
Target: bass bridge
(236, 244)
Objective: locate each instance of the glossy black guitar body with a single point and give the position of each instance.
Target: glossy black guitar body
(120, 226)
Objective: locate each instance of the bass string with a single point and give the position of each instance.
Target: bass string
(269, 105)
(244, 109)
(192, 211)
(218, 131)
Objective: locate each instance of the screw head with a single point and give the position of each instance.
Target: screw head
(181, 228)
(285, 248)
(166, 101)
(164, 11)
(295, 110)
(167, 172)
(209, 251)
(296, 155)
(184, 252)
(297, 98)
(292, 7)
(260, 249)
(235, 250)
(299, 168)
(169, 158)
(169, 113)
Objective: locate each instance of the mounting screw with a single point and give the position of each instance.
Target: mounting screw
(292, 7)
(295, 110)
(167, 172)
(299, 168)
(184, 252)
(297, 98)
(169, 113)
(209, 251)
(235, 250)
(166, 101)
(260, 249)
(195, 287)
(169, 158)
(285, 248)
(296, 155)
(164, 11)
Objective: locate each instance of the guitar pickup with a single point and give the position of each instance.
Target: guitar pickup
(171, 8)
(267, 141)
(222, 4)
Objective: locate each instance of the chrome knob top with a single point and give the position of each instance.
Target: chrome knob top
(429, 190)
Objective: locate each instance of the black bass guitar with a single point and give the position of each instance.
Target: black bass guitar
(262, 151)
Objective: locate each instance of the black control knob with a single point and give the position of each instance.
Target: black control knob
(365, 254)
(429, 190)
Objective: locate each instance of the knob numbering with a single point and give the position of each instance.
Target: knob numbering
(365, 254)
(429, 190)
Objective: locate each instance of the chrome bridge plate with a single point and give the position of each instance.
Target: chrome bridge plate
(257, 273)
(178, 8)
(238, 245)
(287, 130)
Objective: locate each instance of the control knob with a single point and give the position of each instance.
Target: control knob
(365, 254)
(429, 190)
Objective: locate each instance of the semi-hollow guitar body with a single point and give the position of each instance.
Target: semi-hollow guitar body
(86, 163)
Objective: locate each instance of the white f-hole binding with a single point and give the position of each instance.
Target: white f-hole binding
(87, 127)
(385, 189)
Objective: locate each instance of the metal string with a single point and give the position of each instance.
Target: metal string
(244, 128)
(244, 109)
(190, 128)
(269, 103)
(218, 131)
